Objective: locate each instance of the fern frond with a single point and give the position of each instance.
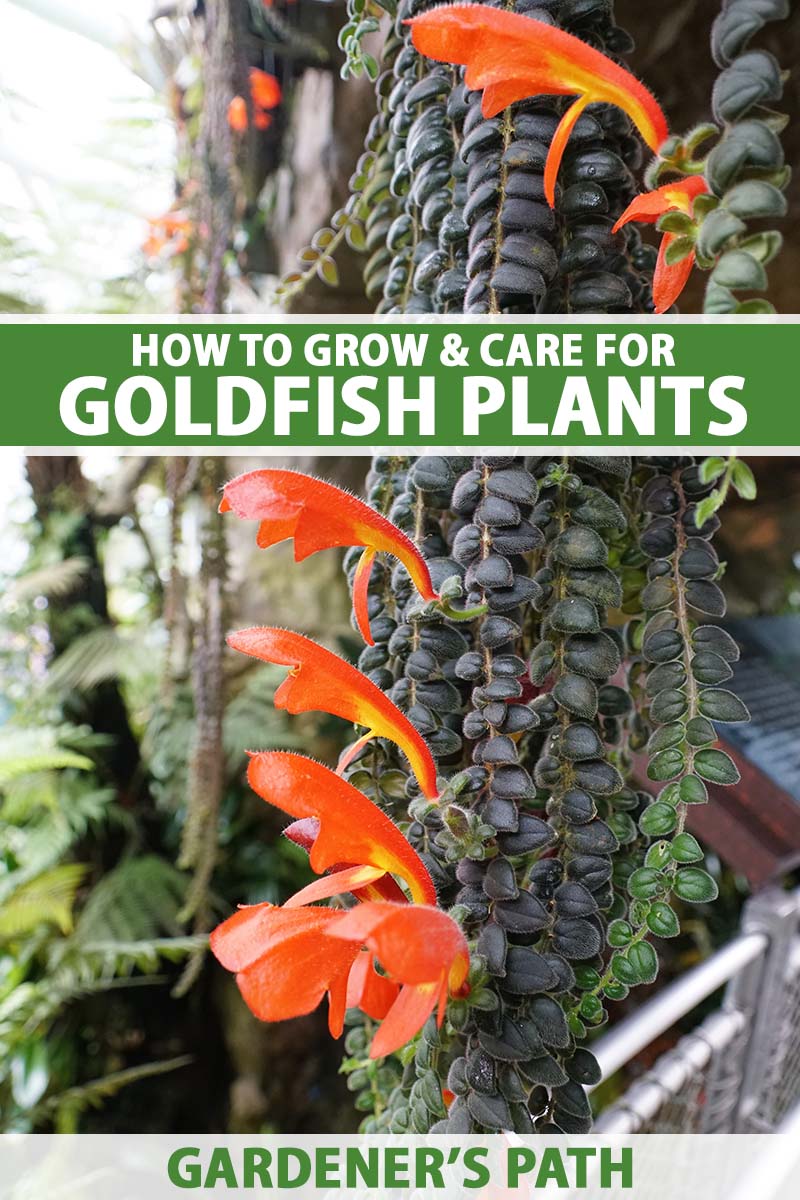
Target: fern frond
(53, 579)
(120, 958)
(36, 848)
(47, 899)
(251, 719)
(23, 752)
(30, 1008)
(68, 1105)
(138, 901)
(95, 657)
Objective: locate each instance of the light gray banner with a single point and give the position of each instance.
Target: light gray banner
(160, 1167)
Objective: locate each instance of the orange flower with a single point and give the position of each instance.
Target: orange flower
(172, 229)
(287, 959)
(320, 681)
(265, 89)
(374, 994)
(237, 114)
(284, 963)
(670, 278)
(351, 829)
(305, 832)
(265, 92)
(421, 948)
(318, 515)
(512, 57)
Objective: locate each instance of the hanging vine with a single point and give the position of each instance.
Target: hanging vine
(544, 616)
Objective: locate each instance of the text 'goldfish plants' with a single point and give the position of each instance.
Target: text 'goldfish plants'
(504, 845)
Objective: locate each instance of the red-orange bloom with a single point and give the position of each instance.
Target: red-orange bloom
(421, 948)
(305, 832)
(171, 230)
(319, 515)
(511, 57)
(351, 829)
(284, 964)
(670, 278)
(320, 681)
(287, 959)
(265, 92)
(374, 994)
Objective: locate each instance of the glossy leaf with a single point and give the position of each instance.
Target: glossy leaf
(695, 885)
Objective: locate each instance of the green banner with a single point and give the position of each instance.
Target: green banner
(329, 384)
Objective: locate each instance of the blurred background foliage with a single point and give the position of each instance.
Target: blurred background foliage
(121, 844)
(126, 830)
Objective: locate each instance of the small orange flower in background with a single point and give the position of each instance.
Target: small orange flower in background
(512, 57)
(319, 515)
(670, 278)
(171, 231)
(321, 681)
(265, 92)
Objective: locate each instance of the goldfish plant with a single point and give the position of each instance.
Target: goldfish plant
(514, 152)
(506, 843)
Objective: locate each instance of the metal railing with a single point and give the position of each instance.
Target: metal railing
(738, 1071)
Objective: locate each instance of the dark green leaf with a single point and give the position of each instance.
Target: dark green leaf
(709, 667)
(619, 934)
(580, 546)
(719, 641)
(666, 765)
(644, 961)
(700, 732)
(663, 921)
(658, 856)
(685, 848)
(695, 885)
(658, 820)
(692, 790)
(623, 828)
(720, 705)
(716, 766)
(669, 705)
(623, 970)
(645, 883)
(667, 737)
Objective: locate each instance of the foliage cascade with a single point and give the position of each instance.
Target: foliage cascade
(598, 582)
